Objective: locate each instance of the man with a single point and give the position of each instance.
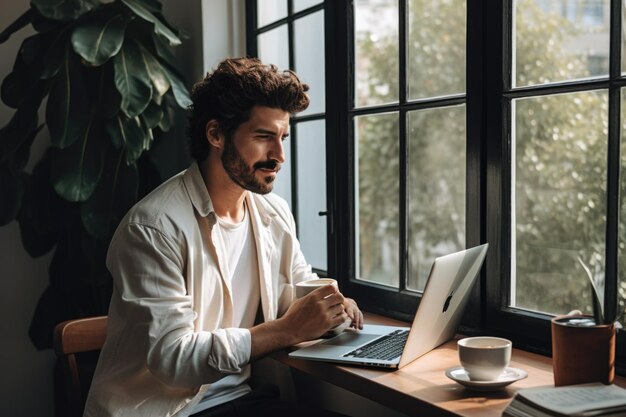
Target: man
(197, 259)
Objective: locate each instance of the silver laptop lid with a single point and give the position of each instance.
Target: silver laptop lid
(445, 296)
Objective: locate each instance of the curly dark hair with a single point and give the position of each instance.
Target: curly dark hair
(228, 94)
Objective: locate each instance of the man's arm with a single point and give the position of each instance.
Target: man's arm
(307, 318)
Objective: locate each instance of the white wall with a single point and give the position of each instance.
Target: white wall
(223, 31)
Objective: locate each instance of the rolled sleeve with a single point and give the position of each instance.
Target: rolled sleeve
(231, 350)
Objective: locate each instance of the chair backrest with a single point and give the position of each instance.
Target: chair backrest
(72, 337)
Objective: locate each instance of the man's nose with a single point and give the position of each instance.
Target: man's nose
(277, 153)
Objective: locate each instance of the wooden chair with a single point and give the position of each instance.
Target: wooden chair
(70, 338)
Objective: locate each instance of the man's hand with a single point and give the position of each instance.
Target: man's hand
(307, 318)
(354, 313)
(313, 315)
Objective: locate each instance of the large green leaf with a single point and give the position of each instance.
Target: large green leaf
(32, 49)
(98, 39)
(17, 136)
(132, 79)
(109, 99)
(154, 6)
(155, 70)
(18, 24)
(68, 105)
(42, 24)
(152, 115)
(163, 50)
(41, 212)
(76, 170)
(148, 137)
(22, 153)
(115, 194)
(13, 87)
(17, 131)
(127, 134)
(178, 87)
(54, 56)
(142, 11)
(11, 190)
(63, 9)
(166, 121)
(18, 85)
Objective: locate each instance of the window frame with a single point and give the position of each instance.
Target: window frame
(488, 99)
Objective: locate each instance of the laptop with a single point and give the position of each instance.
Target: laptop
(444, 299)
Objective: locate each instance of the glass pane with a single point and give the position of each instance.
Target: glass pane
(376, 51)
(377, 199)
(304, 4)
(559, 174)
(269, 11)
(436, 48)
(436, 188)
(282, 184)
(309, 58)
(560, 40)
(311, 163)
(272, 47)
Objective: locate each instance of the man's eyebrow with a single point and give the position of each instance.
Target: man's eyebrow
(269, 132)
(265, 131)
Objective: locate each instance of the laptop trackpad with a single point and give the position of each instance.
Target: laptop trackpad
(351, 338)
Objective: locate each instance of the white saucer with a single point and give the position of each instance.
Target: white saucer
(507, 377)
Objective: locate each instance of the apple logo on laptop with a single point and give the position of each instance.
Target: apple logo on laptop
(447, 302)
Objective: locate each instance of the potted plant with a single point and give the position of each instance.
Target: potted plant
(583, 346)
(110, 84)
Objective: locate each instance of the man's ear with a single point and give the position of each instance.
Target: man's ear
(213, 135)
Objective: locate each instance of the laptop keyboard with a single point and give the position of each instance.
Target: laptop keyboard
(385, 348)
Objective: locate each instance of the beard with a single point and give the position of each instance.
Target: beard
(243, 174)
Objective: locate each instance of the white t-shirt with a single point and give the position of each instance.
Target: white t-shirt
(243, 274)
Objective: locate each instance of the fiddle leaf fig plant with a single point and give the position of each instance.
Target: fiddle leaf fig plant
(105, 72)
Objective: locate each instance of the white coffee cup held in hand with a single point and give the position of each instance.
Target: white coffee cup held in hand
(484, 358)
(305, 287)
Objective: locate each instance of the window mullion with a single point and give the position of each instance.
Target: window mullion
(339, 147)
(403, 145)
(293, 157)
(613, 166)
(251, 24)
(495, 120)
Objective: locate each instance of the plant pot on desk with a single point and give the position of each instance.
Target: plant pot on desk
(582, 351)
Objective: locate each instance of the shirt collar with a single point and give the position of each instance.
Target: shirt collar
(197, 190)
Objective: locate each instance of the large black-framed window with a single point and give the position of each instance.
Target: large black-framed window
(542, 119)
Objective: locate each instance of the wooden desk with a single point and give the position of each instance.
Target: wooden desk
(421, 388)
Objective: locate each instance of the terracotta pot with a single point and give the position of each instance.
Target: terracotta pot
(582, 354)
